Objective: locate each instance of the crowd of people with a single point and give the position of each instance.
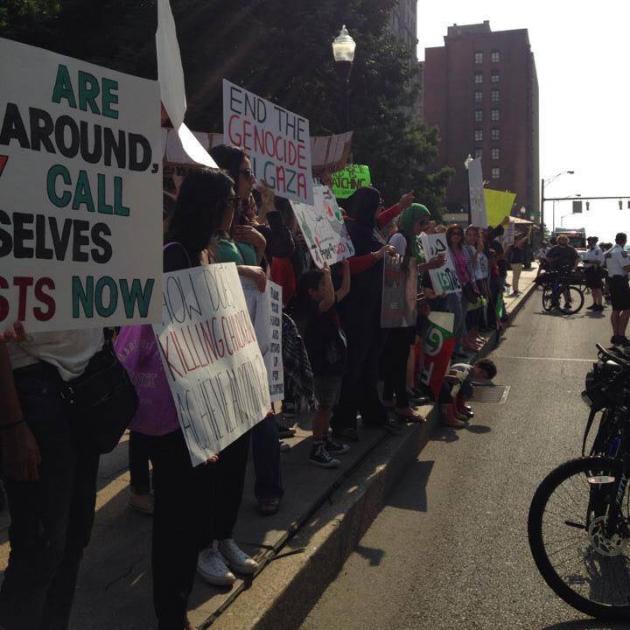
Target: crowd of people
(340, 365)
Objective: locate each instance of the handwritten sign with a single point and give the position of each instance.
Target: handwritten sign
(211, 358)
(265, 311)
(444, 279)
(81, 182)
(478, 214)
(323, 228)
(277, 141)
(438, 346)
(349, 179)
(399, 306)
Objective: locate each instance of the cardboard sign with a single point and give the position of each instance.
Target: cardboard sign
(444, 279)
(80, 193)
(351, 178)
(439, 344)
(265, 311)
(400, 288)
(211, 358)
(330, 153)
(277, 141)
(478, 214)
(498, 205)
(323, 228)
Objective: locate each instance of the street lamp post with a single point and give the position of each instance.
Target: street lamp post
(467, 162)
(343, 48)
(548, 181)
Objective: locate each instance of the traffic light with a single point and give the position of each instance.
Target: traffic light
(577, 207)
(588, 205)
(620, 205)
(628, 204)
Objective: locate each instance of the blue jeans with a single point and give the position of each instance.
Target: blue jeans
(266, 453)
(51, 518)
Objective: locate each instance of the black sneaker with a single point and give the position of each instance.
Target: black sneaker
(592, 307)
(336, 448)
(321, 457)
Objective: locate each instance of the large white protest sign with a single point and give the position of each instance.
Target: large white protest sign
(80, 193)
(323, 228)
(444, 279)
(172, 85)
(478, 214)
(265, 311)
(400, 288)
(211, 357)
(277, 141)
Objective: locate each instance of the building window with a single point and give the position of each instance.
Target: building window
(494, 77)
(478, 77)
(496, 173)
(478, 135)
(478, 96)
(495, 154)
(479, 153)
(479, 115)
(494, 115)
(478, 57)
(495, 56)
(495, 134)
(495, 96)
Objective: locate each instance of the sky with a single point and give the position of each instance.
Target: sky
(582, 54)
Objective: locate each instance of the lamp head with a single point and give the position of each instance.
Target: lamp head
(343, 47)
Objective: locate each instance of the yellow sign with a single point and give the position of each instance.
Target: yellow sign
(498, 205)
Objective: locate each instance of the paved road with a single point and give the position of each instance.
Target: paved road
(450, 548)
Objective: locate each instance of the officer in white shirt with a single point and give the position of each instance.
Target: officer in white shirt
(593, 261)
(618, 266)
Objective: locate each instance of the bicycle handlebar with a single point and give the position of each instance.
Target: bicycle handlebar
(612, 357)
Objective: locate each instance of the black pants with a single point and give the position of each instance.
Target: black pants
(394, 363)
(193, 506)
(51, 518)
(139, 456)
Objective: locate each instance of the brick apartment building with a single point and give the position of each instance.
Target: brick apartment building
(481, 91)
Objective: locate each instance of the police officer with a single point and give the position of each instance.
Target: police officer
(618, 266)
(593, 261)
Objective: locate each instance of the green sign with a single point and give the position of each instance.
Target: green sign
(351, 178)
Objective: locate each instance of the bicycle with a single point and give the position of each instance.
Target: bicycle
(579, 518)
(558, 284)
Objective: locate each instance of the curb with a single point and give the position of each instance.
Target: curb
(298, 571)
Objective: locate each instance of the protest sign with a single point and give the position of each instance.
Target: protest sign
(323, 228)
(80, 193)
(498, 205)
(277, 141)
(349, 179)
(508, 236)
(211, 358)
(400, 288)
(265, 311)
(438, 345)
(478, 214)
(172, 86)
(444, 279)
(330, 153)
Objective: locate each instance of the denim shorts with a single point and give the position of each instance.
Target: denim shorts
(327, 390)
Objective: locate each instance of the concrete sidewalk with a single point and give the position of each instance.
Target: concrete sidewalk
(323, 516)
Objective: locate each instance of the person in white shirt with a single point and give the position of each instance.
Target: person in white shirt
(618, 266)
(593, 262)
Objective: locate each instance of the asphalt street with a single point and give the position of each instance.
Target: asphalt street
(450, 549)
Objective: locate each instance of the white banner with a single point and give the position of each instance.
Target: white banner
(265, 311)
(80, 193)
(211, 357)
(444, 279)
(323, 228)
(478, 214)
(277, 141)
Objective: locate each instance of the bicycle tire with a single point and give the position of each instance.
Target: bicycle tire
(547, 298)
(577, 300)
(542, 495)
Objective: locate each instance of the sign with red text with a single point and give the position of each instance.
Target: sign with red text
(211, 357)
(277, 141)
(444, 279)
(80, 193)
(438, 346)
(323, 228)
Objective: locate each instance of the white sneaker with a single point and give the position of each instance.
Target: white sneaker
(212, 568)
(236, 558)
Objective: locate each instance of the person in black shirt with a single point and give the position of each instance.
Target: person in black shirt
(563, 257)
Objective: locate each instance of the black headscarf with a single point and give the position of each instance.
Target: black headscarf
(363, 204)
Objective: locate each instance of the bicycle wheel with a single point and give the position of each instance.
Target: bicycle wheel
(574, 302)
(579, 541)
(547, 298)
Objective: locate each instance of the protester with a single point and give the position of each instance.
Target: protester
(563, 256)
(325, 341)
(618, 267)
(516, 258)
(593, 271)
(50, 470)
(473, 252)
